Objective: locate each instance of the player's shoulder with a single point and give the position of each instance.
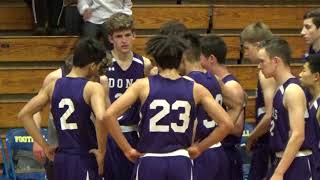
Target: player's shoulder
(52, 76)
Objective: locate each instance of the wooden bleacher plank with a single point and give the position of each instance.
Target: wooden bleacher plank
(22, 81)
(9, 112)
(15, 16)
(153, 16)
(29, 81)
(48, 48)
(275, 16)
(247, 74)
(30, 48)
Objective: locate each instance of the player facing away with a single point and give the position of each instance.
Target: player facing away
(213, 57)
(291, 134)
(258, 140)
(212, 163)
(311, 31)
(168, 110)
(73, 99)
(125, 69)
(310, 78)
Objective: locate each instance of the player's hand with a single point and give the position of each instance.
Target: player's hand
(132, 155)
(250, 143)
(50, 152)
(99, 158)
(87, 14)
(38, 153)
(194, 151)
(276, 176)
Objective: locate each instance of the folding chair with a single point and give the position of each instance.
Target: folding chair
(5, 165)
(18, 140)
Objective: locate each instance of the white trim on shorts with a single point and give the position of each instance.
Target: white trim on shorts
(215, 145)
(179, 152)
(299, 153)
(132, 128)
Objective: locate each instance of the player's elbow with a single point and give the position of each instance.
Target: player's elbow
(22, 115)
(298, 137)
(227, 124)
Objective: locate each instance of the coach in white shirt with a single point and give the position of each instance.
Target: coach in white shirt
(96, 12)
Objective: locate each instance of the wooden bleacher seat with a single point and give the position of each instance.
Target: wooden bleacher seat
(236, 17)
(17, 16)
(51, 48)
(21, 83)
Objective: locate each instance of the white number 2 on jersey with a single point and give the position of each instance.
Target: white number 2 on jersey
(66, 115)
(165, 111)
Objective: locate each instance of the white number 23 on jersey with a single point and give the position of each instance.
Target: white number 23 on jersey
(154, 127)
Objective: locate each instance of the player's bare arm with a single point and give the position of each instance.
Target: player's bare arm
(147, 66)
(133, 93)
(234, 99)
(203, 97)
(268, 89)
(35, 105)
(295, 102)
(94, 94)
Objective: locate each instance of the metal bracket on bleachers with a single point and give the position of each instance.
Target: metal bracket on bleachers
(210, 19)
(179, 1)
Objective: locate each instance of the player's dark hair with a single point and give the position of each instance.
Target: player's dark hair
(88, 50)
(174, 28)
(193, 52)
(279, 47)
(315, 15)
(167, 51)
(314, 63)
(214, 45)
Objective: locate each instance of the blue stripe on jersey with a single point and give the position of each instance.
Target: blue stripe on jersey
(167, 116)
(205, 124)
(120, 80)
(71, 115)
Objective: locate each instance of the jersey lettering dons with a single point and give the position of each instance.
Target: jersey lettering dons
(120, 80)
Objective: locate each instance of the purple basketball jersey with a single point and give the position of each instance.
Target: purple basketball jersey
(167, 116)
(279, 130)
(120, 80)
(71, 114)
(205, 124)
(231, 140)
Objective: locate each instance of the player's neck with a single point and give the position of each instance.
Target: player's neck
(194, 67)
(123, 57)
(220, 70)
(282, 75)
(169, 73)
(316, 45)
(77, 72)
(315, 91)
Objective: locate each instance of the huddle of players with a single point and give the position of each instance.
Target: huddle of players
(164, 121)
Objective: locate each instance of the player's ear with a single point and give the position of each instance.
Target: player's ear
(316, 76)
(212, 59)
(110, 39)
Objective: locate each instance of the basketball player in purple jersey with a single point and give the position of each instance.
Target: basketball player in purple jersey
(73, 98)
(258, 140)
(212, 163)
(311, 31)
(213, 57)
(291, 136)
(168, 110)
(125, 69)
(310, 79)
